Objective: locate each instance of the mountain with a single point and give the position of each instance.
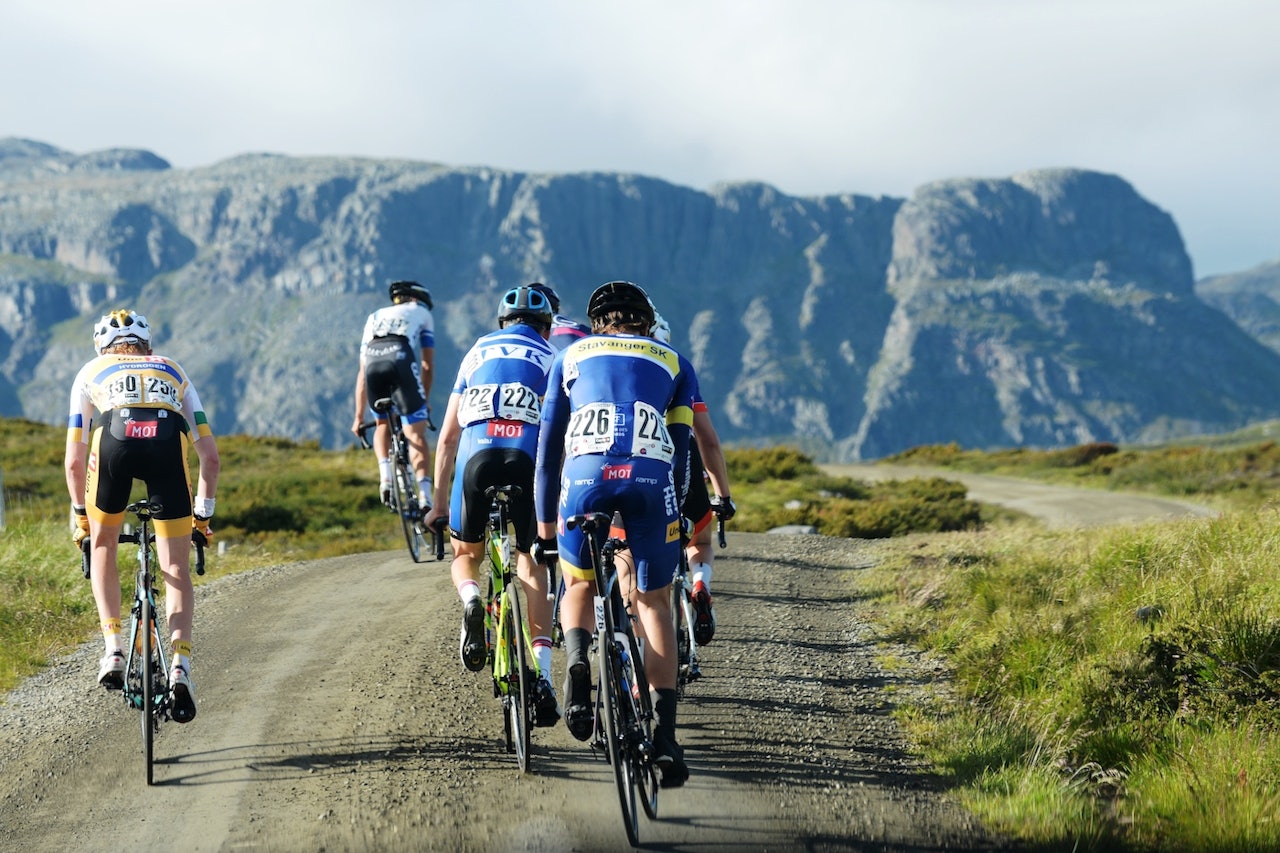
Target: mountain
(1052, 307)
(1250, 298)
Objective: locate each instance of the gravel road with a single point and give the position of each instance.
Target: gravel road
(335, 715)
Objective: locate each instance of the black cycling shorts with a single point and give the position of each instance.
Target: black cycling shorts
(142, 444)
(390, 370)
(469, 508)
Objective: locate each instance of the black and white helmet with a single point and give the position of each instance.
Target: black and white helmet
(411, 289)
(121, 326)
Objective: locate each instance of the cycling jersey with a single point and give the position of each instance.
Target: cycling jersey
(148, 410)
(500, 386)
(618, 412)
(565, 331)
(391, 352)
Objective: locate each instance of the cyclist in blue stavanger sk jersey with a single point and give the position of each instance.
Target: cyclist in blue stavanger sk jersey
(706, 463)
(397, 357)
(564, 331)
(617, 415)
(489, 438)
(148, 415)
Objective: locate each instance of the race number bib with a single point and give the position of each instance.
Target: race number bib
(591, 429)
(510, 401)
(650, 438)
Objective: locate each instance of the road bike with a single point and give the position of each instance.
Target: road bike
(404, 482)
(688, 663)
(624, 707)
(146, 674)
(512, 661)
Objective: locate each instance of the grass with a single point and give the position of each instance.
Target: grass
(1112, 689)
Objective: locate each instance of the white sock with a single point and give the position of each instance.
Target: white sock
(469, 591)
(425, 488)
(542, 649)
(702, 572)
(384, 471)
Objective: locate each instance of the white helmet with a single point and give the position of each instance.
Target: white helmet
(122, 325)
(660, 331)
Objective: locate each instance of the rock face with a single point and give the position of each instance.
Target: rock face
(1050, 308)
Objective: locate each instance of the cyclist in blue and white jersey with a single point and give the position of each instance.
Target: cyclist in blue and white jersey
(615, 434)
(397, 357)
(564, 330)
(489, 438)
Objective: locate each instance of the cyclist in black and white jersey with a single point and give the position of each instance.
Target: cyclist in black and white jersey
(397, 357)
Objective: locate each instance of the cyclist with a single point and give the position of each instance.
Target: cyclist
(148, 415)
(617, 415)
(564, 331)
(489, 438)
(397, 356)
(706, 463)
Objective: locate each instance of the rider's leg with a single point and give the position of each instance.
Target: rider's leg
(382, 452)
(533, 579)
(420, 458)
(464, 569)
(174, 554)
(104, 541)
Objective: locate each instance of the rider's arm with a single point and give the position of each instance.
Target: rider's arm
(362, 398)
(555, 420)
(79, 419)
(446, 456)
(428, 372)
(206, 446)
(704, 433)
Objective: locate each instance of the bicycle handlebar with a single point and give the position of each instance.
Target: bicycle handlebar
(437, 537)
(197, 539)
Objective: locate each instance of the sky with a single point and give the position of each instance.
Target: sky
(1181, 98)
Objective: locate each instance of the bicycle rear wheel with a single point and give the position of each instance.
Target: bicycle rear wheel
(405, 490)
(148, 677)
(617, 727)
(518, 686)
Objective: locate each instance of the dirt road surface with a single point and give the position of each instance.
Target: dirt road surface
(335, 715)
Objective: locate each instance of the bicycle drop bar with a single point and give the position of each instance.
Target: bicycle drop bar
(197, 539)
(437, 536)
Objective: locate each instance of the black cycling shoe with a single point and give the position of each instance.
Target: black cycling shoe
(472, 647)
(579, 716)
(669, 757)
(546, 710)
(704, 615)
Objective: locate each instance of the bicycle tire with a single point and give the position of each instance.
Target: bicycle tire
(644, 772)
(148, 683)
(405, 497)
(679, 623)
(518, 705)
(616, 726)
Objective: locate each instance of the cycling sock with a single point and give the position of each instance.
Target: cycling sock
(384, 471)
(111, 635)
(468, 590)
(182, 654)
(702, 572)
(665, 707)
(576, 643)
(542, 651)
(425, 488)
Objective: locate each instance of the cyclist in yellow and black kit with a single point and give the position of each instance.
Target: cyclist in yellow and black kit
(147, 415)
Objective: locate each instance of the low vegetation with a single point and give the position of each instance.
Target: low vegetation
(1115, 689)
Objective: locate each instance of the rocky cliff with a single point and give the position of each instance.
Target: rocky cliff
(1050, 308)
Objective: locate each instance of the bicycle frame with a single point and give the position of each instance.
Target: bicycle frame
(624, 708)
(513, 662)
(404, 483)
(146, 681)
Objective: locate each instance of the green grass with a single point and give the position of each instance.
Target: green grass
(1114, 689)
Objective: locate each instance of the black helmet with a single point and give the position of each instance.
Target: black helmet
(526, 304)
(411, 289)
(623, 297)
(549, 292)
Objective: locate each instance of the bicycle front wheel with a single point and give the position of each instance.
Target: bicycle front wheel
(406, 500)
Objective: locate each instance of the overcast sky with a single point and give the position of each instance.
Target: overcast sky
(1179, 97)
